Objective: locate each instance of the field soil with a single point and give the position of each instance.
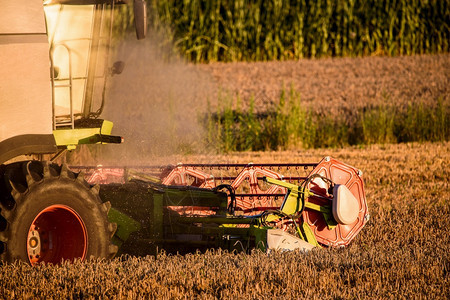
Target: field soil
(348, 83)
(402, 253)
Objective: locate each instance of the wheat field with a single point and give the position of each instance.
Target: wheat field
(402, 252)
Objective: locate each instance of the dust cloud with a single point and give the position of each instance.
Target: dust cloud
(155, 104)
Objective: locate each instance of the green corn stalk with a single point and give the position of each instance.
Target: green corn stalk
(251, 30)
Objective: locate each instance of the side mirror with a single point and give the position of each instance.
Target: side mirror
(140, 18)
(117, 68)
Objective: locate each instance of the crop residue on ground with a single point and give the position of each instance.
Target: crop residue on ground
(401, 253)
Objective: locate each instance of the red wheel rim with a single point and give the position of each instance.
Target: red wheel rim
(56, 233)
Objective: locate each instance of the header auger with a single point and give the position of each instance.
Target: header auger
(54, 77)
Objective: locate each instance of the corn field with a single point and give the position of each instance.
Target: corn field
(256, 30)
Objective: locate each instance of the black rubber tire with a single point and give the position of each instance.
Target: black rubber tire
(36, 186)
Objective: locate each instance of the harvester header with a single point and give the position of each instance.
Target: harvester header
(231, 205)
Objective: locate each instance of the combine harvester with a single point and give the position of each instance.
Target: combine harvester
(55, 66)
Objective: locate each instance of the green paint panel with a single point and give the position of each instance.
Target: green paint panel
(125, 226)
(72, 137)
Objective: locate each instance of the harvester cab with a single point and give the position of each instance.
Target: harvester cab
(43, 112)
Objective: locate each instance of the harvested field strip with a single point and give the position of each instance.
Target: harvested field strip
(401, 253)
(290, 125)
(333, 83)
(255, 30)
